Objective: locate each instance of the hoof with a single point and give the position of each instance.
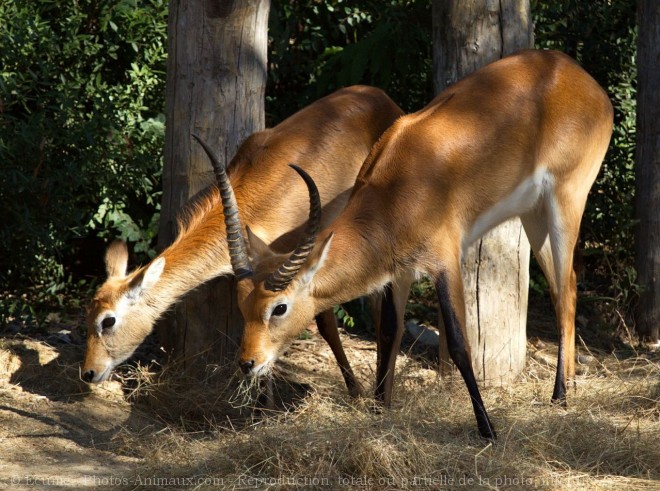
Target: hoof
(559, 401)
(356, 391)
(486, 429)
(488, 433)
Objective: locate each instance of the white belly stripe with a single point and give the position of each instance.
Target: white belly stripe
(522, 199)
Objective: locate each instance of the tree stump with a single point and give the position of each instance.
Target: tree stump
(647, 172)
(467, 35)
(216, 80)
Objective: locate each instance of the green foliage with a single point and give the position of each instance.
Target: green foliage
(344, 317)
(355, 315)
(318, 47)
(82, 97)
(423, 302)
(81, 101)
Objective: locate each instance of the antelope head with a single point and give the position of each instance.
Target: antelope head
(277, 302)
(119, 317)
(266, 299)
(126, 306)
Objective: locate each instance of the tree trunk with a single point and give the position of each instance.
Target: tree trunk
(467, 35)
(647, 175)
(216, 79)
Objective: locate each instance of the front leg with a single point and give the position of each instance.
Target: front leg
(389, 332)
(449, 287)
(388, 339)
(327, 325)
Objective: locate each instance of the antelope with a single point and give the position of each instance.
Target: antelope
(524, 136)
(331, 138)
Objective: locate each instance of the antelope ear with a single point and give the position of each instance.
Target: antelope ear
(316, 260)
(116, 259)
(259, 250)
(147, 278)
(153, 272)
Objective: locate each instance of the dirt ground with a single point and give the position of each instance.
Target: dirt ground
(54, 432)
(58, 433)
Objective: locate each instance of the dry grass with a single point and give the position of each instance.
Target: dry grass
(177, 432)
(607, 437)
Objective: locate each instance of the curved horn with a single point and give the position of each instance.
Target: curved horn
(235, 240)
(281, 278)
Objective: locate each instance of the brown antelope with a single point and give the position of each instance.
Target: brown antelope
(524, 136)
(330, 138)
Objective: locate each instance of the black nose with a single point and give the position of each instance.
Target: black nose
(88, 376)
(246, 365)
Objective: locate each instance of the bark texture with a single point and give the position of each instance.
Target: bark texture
(216, 79)
(647, 175)
(467, 35)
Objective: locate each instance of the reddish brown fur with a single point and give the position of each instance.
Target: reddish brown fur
(329, 139)
(523, 136)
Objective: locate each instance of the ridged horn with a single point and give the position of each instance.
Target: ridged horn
(284, 275)
(235, 240)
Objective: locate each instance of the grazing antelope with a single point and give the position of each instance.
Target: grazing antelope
(330, 138)
(524, 136)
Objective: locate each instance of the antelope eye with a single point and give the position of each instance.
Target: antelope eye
(279, 310)
(108, 322)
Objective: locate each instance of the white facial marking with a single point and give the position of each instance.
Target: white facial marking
(103, 375)
(263, 369)
(269, 313)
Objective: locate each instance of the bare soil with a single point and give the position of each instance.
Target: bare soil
(144, 432)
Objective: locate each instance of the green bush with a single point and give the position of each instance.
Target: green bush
(81, 135)
(82, 102)
(318, 47)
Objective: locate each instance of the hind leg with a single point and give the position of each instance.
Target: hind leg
(552, 232)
